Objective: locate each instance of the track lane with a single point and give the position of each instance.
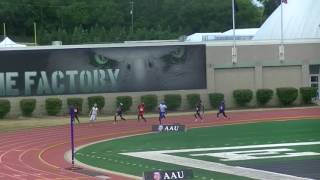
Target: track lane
(38, 154)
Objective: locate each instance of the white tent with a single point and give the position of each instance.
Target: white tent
(7, 42)
(301, 20)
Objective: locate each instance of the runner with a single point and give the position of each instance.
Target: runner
(141, 112)
(199, 108)
(222, 108)
(93, 113)
(162, 112)
(76, 113)
(119, 113)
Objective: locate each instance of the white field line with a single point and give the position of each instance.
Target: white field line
(163, 156)
(236, 147)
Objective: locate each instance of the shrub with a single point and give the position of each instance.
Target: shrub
(99, 100)
(150, 101)
(193, 99)
(4, 107)
(215, 99)
(27, 106)
(125, 100)
(287, 95)
(173, 101)
(53, 106)
(75, 102)
(242, 96)
(307, 93)
(264, 96)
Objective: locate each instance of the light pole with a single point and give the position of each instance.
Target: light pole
(234, 48)
(131, 12)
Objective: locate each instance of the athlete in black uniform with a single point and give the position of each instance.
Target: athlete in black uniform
(119, 113)
(199, 108)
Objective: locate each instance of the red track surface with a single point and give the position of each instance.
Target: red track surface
(38, 154)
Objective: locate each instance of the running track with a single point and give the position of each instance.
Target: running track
(38, 154)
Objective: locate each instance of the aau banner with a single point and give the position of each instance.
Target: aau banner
(101, 70)
(169, 128)
(168, 175)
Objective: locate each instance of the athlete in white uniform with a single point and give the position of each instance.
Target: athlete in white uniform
(93, 113)
(162, 112)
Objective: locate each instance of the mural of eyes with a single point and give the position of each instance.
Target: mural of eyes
(129, 67)
(178, 53)
(150, 64)
(177, 56)
(103, 62)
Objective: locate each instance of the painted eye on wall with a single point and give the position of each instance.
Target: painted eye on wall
(150, 64)
(100, 61)
(178, 53)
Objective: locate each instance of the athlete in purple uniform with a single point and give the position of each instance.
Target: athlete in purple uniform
(222, 108)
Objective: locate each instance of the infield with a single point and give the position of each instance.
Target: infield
(223, 152)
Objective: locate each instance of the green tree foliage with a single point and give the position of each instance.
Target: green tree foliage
(269, 7)
(97, 21)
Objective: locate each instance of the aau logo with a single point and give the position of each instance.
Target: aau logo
(168, 175)
(174, 175)
(168, 128)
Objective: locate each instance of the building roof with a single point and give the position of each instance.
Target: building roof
(241, 34)
(198, 37)
(301, 20)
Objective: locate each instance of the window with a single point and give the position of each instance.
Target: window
(314, 79)
(314, 69)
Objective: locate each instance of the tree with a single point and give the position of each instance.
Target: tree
(96, 21)
(269, 7)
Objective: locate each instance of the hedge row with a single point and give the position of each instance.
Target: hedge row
(27, 106)
(242, 96)
(4, 107)
(286, 95)
(53, 106)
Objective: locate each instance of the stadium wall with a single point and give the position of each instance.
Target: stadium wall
(258, 67)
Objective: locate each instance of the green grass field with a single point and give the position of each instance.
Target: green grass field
(107, 155)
